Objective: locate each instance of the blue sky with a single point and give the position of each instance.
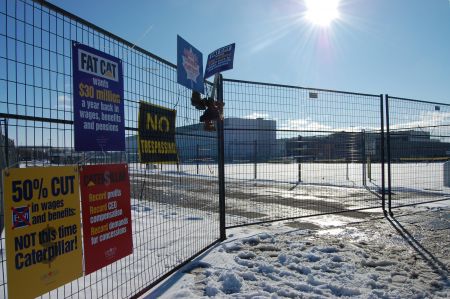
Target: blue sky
(399, 47)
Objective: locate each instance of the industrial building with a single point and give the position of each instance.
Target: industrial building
(254, 140)
(246, 140)
(407, 145)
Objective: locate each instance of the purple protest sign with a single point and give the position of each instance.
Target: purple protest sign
(97, 100)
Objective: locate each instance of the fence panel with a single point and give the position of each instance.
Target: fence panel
(292, 152)
(418, 150)
(174, 209)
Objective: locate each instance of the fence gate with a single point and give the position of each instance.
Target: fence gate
(418, 150)
(292, 152)
(174, 210)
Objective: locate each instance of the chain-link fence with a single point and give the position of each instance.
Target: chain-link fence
(292, 152)
(288, 152)
(418, 150)
(174, 209)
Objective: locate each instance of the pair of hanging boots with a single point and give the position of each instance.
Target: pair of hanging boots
(213, 110)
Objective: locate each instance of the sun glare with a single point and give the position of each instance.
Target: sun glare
(322, 12)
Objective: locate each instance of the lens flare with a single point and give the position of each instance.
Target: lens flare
(322, 12)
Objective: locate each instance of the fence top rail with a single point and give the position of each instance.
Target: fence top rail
(416, 101)
(304, 88)
(101, 30)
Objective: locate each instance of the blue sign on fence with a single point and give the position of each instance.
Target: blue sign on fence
(97, 100)
(189, 66)
(220, 60)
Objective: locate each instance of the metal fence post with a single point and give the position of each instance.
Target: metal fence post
(299, 158)
(363, 157)
(221, 162)
(2, 147)
(299, 171)
(3, 165)
(388, 147)
(346, 170)
(6, 143)
(383, 188)
(197, 157)
(255, 159)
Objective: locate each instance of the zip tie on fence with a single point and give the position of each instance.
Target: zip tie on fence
(178, 98)
(86, 159)
(210, 171)
(104, 155)
(13, 165)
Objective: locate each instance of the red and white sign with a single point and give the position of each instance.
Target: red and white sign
(106, 211)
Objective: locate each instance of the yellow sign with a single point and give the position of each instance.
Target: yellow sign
(156, 134)
(42, 225)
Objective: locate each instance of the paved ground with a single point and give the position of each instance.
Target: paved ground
(411, 248)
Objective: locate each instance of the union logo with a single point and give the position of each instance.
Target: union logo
(191, 65)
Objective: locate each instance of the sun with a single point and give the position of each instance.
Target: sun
(322, 12)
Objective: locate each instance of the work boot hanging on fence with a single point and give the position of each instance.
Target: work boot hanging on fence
(213, 110)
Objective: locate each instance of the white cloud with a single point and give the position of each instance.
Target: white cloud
(305, 125)
(427, 120)
(256, 115)
(64, 103)
(320, 128)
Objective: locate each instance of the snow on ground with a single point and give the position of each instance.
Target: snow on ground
(163, 237)
(358, 254)
(337, 258)
(276, 193)
(426, 176)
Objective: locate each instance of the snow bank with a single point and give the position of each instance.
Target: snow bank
(363, 260)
